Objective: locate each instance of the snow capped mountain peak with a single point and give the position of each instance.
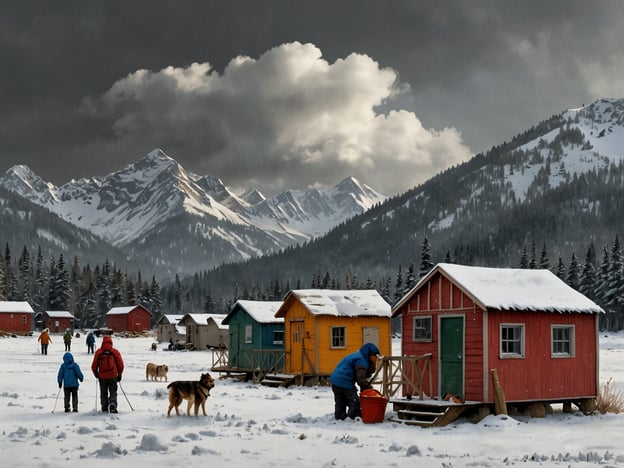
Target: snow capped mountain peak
(252, 196)
(22, 180)
(150, 198)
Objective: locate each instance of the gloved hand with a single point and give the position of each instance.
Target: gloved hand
(60, 385)
(119, 378)
(97, 375)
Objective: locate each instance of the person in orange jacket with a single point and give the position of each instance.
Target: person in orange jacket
(108, 366)
(45, 340)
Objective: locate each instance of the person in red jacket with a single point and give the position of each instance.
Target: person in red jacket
(108, 366)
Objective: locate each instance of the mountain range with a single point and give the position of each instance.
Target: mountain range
(557, 187)
(164, 217)
(555, 192)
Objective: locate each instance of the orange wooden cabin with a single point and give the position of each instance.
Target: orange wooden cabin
(322, 326)
(540, 334)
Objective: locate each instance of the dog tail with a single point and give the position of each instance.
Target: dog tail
(168, 386)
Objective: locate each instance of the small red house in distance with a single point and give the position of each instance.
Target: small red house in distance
(58, 321)
(129, 319)
(15, 316)
(540, 334)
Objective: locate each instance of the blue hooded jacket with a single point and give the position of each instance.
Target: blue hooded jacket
(69, 372)
(344, 374)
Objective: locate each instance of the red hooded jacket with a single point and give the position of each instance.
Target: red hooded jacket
(100, 359)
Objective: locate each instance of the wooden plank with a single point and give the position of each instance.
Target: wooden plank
(500, 405)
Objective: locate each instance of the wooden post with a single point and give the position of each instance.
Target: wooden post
(500, 405)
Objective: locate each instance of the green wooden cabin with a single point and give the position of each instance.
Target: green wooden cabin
(256, 336)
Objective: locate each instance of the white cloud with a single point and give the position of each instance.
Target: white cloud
(288, 119)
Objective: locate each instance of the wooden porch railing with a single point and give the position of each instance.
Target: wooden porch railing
(395, 373)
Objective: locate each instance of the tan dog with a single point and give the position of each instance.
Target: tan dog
(195, 392)
(156, 372)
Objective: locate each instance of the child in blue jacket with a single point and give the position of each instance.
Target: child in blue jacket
(70, 373)
(354, 368)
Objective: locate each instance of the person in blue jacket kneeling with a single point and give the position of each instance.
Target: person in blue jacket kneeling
(353, 368)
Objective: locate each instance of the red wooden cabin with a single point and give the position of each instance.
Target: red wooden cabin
(57, 321)
(540, 334)
(132, 318)
(15, 316)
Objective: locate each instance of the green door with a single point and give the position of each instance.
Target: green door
(452, 356)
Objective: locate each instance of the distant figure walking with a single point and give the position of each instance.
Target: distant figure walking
(67, 337)
(69, 374)
(45, 340)
(90, 343)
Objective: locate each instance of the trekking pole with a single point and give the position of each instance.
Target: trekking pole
(96, 392)
(126, 396)
(57, 395)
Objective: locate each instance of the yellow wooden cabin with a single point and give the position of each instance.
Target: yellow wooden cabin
(322, 326)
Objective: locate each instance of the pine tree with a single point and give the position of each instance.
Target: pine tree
(398, 286)
(24, 278)
(572, 277)
(532, 255)
(178, 295)
(426, 264)
(155, 299)
(524, 257)
(561, 271)
(615, 284)
(587, 284)
(410, 279)
(544, 263)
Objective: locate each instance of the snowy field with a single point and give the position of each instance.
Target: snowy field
(252, 425)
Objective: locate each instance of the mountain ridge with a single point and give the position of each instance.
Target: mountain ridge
(132, 207)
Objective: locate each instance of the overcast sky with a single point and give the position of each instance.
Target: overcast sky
(293, 94)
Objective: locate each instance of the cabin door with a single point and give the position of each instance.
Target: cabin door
(234, 351)
(296, 350)
(452, 356)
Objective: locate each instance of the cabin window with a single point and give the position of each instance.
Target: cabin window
(296, 334)
(338, 337)
(511, 340)
(24, 319)
(422, 328)
(248, 334)
(278, 336)
(562, 340)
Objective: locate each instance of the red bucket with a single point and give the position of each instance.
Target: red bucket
(373, 406)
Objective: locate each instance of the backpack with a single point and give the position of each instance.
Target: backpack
(107, 365)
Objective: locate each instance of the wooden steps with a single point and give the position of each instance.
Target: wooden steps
(429, 413)
(278, 380)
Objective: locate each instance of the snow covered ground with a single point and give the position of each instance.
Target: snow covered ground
(252, 425)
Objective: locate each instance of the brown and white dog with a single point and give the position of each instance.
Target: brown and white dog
(196, 392)
(156, 372)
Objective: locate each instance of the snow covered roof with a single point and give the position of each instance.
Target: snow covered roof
(124, 310)
(218, 320)
(170, 318)
(260, 311)
(347, 303)
(512, 289)
(202, 319)
(16, 306)
(59, 314)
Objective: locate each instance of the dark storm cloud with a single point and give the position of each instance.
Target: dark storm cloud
(471, 74)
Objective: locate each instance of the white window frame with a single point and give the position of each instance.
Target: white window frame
(248, 333)
(275, 341)
(344, 337)
(512, 355)
(571, 341)
(429, 329)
